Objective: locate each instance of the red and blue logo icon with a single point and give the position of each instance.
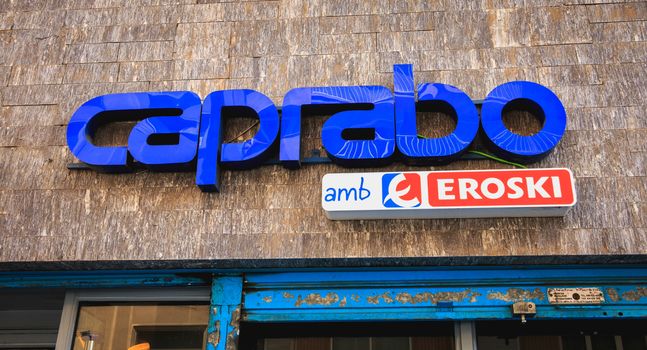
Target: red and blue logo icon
(401, 190)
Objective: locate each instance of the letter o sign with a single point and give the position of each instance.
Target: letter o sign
(527, 95)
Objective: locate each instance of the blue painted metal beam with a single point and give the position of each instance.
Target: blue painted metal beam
(429, 314)
(456, 275)
(277, 279)
(450, 294)
(369, 294)
(224, 315)
(102, 279)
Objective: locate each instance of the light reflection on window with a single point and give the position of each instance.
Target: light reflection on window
(141, 327)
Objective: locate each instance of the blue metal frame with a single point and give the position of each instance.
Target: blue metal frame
(224, 316)
(103, 279)
(440, 293)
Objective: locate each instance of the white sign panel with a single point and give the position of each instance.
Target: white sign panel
(448, 194)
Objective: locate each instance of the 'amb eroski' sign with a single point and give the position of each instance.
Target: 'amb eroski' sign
(448, 194)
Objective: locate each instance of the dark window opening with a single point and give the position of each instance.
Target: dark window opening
(348, 336)
(170, 337)
(563, 335)
(29, 318)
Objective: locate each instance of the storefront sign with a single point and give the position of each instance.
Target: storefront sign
(368, 126)
(448, 194)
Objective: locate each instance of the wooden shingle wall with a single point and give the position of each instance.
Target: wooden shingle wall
(56, 54)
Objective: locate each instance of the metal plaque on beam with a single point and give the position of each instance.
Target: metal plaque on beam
(570, 296)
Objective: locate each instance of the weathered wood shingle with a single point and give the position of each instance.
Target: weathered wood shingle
(55, 55)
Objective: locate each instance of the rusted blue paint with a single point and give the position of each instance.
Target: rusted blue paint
(441, 294)
(224, 315)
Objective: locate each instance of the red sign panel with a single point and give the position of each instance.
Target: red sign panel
(493, 188)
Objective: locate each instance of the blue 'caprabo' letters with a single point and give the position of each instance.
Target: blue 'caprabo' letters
(360, 130)
(164, 114)
(448, 99)
(247, 154)
(367, 124)
(529, 96)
